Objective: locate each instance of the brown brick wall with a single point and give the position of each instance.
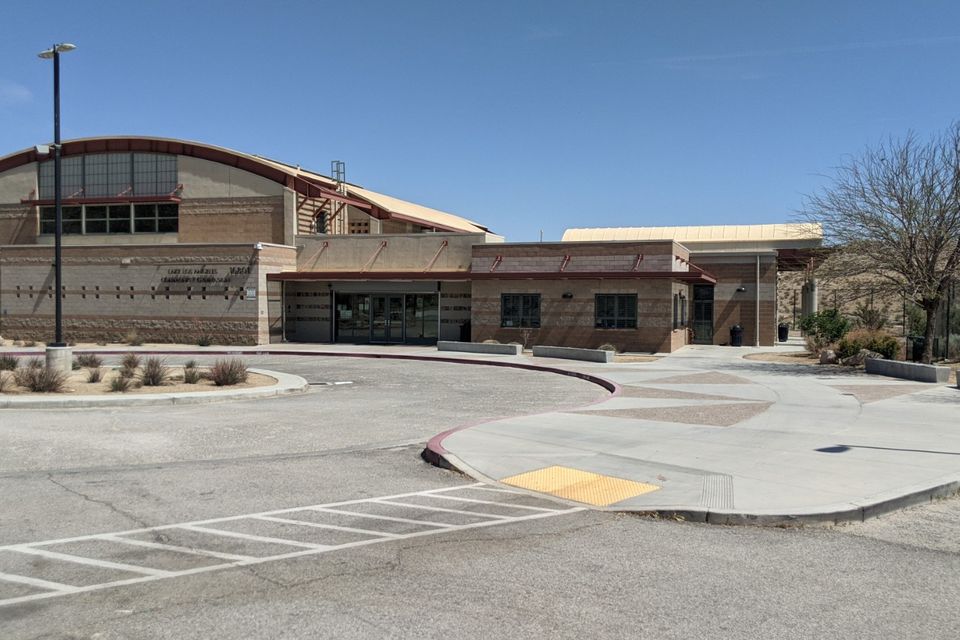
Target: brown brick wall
(232, 219)
(570, 322)
(18, 224)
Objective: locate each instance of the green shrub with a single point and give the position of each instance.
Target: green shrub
(8, 363)
(154, 373)
(191, 364)
(878, 341)
(228, 372)
(88, 360)
(41, 379)
(121, 384)
(824, 328)
(204, 341)
(607, 347)
(74, 365)
(94, 374)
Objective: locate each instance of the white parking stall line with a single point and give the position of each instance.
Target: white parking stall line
(499, 504)
(344, 512)
(93, 562)
(442, 510)
(253, 538)
(37, 582)
(333, 527)
(175, 548)
(300, 549)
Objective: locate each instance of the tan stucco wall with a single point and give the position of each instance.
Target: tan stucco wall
(206, 179)
(18, 183)
(400, 253)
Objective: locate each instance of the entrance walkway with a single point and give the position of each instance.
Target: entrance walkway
(711, 436)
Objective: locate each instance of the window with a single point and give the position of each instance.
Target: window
(320, 222)
(114, 218)
(110, 175)
(616, 311)
(679, 310)
(72, 220)
(520, 310)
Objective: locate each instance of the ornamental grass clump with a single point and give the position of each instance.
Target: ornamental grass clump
(8, 363)
(191, 375)
(129, 365)
(121, 384)
(41, 379)
(89, 360)
(6, 382)
(94, 375)
(228, 372)
(155, 373)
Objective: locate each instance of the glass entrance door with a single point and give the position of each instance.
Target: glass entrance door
(386, 318)
(703, 314)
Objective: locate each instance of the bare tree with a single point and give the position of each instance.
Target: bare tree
(893, 215)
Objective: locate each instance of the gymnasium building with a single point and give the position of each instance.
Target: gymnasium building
(179, 241)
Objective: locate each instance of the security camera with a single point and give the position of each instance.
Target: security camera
(42, 149)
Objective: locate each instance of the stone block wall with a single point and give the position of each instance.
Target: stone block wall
(163, 294)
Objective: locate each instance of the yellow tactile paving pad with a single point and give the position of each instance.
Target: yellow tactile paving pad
(579, 486)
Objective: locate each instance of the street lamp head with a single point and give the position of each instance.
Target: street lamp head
(58, 48)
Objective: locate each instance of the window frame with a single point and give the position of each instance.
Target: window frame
(619, 319)
(126, 224)
(527, 315)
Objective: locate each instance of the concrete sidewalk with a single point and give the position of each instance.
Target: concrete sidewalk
(711, 436)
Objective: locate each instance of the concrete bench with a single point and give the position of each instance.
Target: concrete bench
(570, 353)
(480, 347)
(907, 370)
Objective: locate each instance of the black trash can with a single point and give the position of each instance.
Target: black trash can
(736, 336)
(916, 351)
(783, 331)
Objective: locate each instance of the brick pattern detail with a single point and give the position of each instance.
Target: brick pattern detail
(164, 293)
(18, 224)
(570, 322)
(232, 219)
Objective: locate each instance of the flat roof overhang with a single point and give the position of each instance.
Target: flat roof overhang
(307, 276)
(800, 259)
(692, 277)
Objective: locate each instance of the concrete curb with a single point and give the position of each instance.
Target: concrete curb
(832, 514)
(286, 384)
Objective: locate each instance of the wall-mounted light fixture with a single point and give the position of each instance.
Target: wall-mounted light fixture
(741, 289)
(567, 296)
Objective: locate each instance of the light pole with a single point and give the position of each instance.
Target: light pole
(59, 356)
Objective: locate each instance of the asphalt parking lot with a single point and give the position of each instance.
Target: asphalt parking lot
(573, 573)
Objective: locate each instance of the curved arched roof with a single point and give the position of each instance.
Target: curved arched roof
(304, 182)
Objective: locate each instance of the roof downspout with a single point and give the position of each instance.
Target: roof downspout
(756, 329)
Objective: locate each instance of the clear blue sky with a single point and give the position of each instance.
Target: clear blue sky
(524, 115)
